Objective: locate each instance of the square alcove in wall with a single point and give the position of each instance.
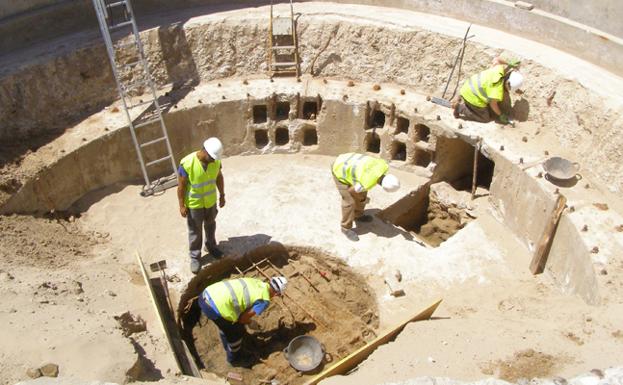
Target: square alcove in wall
(261, 138)
(282, 136)
(377, 120)
(372, 142)
(310, 137)
(423, 158)
(422, 133)
(310, 110)
(402, 125)
(282, 110)
(399, 151)
(260, 114)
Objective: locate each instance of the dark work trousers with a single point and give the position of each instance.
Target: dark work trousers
(230, 333)
(482, 114)
(196, 220)
(352, 207)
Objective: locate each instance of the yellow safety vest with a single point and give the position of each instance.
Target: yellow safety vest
(352, 168)
(201, 186)
(234, 296)
(485, 86)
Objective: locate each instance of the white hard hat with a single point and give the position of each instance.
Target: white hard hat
(390, 183)
(278, 284)
(515, 80)
(214, 147)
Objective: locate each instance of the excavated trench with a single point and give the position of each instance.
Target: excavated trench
(325, 299)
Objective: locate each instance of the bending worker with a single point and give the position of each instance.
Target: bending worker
(483, 93)
(231, 304)
(354, 175)
(199, 176)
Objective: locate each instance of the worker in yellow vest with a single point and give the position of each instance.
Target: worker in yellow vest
(232, 303)
(199, 177)
(354, 175)
(482, 94)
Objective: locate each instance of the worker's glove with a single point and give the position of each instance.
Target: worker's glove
(513, 63)
(504, 119)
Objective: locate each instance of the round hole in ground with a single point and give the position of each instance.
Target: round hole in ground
(325, 299)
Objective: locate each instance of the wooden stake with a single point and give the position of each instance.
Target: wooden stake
(297, 271)
(542, 251)
(474, 177)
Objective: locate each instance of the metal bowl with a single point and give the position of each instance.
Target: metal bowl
(304, 353)
(561, 169)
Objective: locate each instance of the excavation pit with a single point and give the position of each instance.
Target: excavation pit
(260, 114)
(261, 138)
(310, 137)
(435, 213)
(319, 288)
(373, 142)
(402, 125)
(310, 110)
(282, 136)
(282, 110)
(377, 120)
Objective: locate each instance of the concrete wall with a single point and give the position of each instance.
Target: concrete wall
(36, 22)
(601, 14)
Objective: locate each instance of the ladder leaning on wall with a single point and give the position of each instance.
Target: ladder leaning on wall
(283, 57)
(131, 72)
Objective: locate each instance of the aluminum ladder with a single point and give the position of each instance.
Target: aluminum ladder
(283, 57)
(131, 72)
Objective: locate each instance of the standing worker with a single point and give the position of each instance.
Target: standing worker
(354, 175)
(199, 176)
(482, 93)
(231, 304)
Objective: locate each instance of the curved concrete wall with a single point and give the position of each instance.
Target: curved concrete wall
(591, 41)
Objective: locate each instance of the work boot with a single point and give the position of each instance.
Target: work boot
(364, 218)
(241, 361)
(195, 265)
(215, 252)
(350, 234)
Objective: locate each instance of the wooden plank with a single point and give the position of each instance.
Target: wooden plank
(542, 251)
(184, 362)
(355, 358)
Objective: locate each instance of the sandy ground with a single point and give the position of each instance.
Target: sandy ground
(60, 298)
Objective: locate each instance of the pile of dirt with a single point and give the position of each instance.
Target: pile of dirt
(325, 299)
(526, 364)
(44, 242)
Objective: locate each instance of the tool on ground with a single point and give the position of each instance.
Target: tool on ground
(133, 78)
(459, 59)
(283, 57)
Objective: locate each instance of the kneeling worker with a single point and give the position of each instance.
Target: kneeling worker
(354, 175)
(482, 93)
(231, 304)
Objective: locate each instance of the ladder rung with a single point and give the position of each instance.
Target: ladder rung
(120, 25)
(115, 4)
(284, 64)
(143, 124)
(140, 104)
(157, 161)
(284, 47)
(128, 65)
(133, 86)
(153, 142)
(131, 42)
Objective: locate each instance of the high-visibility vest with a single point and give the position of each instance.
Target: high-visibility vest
(233, 297)
(352, 168)
(201, 186)
(485, 86)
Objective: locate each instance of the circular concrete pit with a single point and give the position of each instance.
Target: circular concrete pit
(74, 218)
(325, 299)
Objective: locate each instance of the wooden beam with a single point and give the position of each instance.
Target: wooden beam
(542, 251)
(355, 358)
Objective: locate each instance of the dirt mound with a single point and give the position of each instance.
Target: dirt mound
(525, 364)
(43, 242)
